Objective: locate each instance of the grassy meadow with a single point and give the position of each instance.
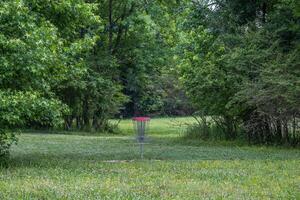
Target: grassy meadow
(62, 166)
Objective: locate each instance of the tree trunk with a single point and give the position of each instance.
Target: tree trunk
(68, 122)
(78, 123)
(278, 130)
(285, 132)
(85, 113)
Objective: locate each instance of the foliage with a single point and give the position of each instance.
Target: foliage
(6, 140)
(244, 71)
(174, 99)
(30, 49)
(135, 40)
(34, 60)
(21, 109)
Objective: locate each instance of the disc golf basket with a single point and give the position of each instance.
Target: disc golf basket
(141, 126)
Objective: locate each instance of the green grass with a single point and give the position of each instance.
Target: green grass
(158, 126)
(56, 166)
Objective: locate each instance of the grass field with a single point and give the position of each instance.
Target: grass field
(57, 166)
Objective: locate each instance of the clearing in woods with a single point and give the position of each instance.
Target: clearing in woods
(60, 166)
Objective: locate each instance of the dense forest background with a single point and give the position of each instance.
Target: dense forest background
(74, 64)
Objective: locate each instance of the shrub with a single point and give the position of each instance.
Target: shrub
(6, 140)
(20, 109)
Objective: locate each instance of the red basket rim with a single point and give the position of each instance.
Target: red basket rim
(141, 119)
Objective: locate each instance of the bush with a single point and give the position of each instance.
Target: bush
(20, 109)
(6, 140)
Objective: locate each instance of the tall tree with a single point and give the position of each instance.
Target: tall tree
(234, 68)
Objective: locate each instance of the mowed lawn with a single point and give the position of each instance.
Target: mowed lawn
(57, 166)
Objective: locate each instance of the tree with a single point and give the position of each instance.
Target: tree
(34, 59)
(134, 39)
(243, 69)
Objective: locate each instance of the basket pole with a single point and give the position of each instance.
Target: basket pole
(142, 150)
